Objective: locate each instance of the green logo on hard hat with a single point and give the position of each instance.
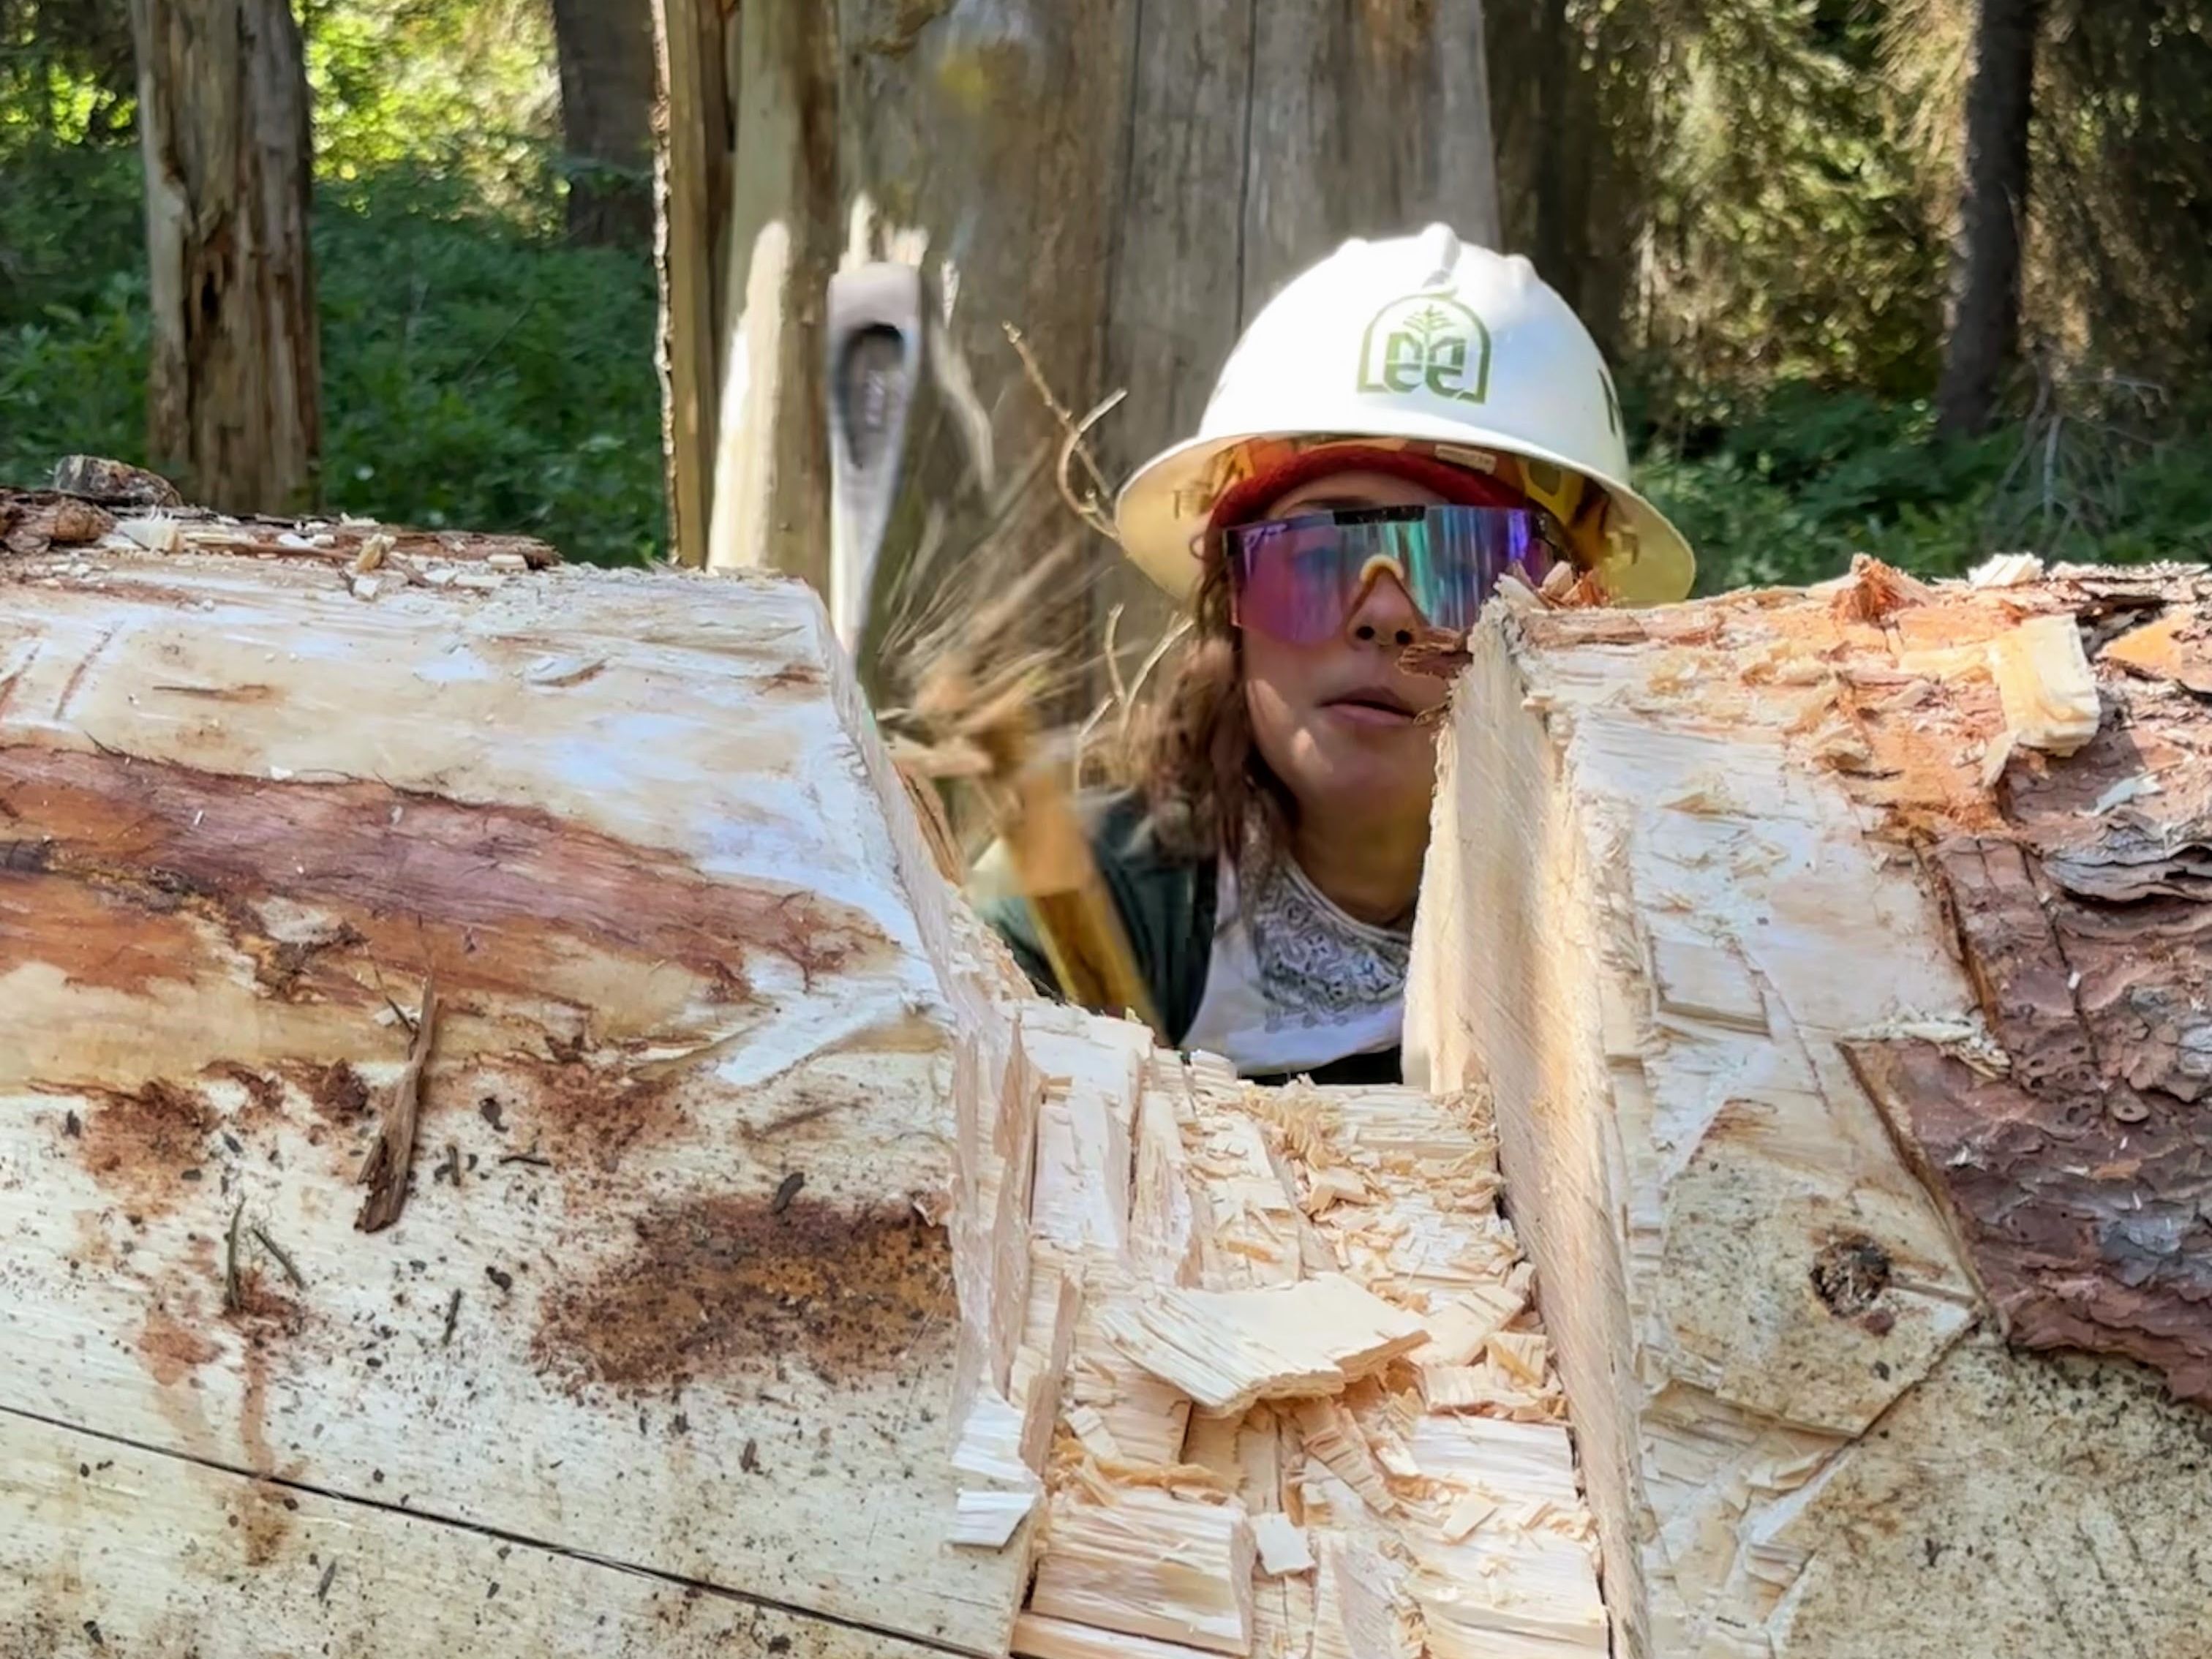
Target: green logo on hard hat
(1426, 341)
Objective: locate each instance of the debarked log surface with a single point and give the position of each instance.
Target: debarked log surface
(1837, 963)
(482, 1058)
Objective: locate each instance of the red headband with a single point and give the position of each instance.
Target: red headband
(1458, 485)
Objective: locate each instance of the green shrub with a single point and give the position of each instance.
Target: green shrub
(1803, 480)
(477, 372)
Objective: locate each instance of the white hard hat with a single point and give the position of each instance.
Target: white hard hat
(1416, 341)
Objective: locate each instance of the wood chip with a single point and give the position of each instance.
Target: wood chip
(988, 1518)
(1282, 1544)
(1522, 1355)
(1229, 1349)
(1466, 1514)
(1150, 1563)
(2006, 570)
(2157, 651)
(2045, 685)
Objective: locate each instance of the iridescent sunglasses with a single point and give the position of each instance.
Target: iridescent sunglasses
(1298, 580)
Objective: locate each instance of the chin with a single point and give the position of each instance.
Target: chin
(1369, 782)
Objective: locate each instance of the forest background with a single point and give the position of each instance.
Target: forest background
(1753, 202)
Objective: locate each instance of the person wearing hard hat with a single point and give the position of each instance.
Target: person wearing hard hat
(1404, 424)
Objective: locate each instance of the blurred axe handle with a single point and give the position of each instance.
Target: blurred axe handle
(1076, 919)
(879, 345)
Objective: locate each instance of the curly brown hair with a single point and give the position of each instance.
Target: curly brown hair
(1192, 754)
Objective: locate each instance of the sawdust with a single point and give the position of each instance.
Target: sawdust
(149, 1146)
(727, 1289)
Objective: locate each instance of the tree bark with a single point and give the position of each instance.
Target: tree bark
(693, 161)
(606, 52)
(1834, 967)
(1992, 214)
(235, 372)
(771, 491)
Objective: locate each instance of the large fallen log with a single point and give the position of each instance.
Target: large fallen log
(507, 1142)
(1838, 962)
(604, 882)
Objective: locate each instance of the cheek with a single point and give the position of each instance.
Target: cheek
(1283, 676)
(1278, 680)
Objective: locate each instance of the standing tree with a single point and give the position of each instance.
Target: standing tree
(1127, 197)
(235, 373)
(605, 49)
(1984, 322)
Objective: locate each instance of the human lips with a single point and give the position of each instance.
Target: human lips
(1372, 705)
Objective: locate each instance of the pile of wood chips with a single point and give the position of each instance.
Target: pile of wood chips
(1308, 1409)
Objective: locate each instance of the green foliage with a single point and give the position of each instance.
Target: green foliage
(476, 372)
(463, 89)
(1788, 233)
(65, 72)
(1802, 479)
(71, 218)
(477, 375)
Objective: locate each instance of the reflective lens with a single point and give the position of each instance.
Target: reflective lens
(1298, 579)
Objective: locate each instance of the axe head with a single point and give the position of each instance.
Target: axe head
(875, 335)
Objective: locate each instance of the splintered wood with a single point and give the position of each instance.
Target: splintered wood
(1246, 1462)
(710, 1262)
(1836, 965)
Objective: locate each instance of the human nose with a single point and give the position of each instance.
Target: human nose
(1384, 612)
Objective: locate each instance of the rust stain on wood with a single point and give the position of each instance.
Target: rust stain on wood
(494, 894)
(728, 1289)
(96, 937)
(264, 1095)
(337, 1092)
(173, 1349)
(587, 1115)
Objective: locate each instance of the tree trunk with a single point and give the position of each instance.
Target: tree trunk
(693, 161)
(1834, 967)
(1553, 207)
(771, 492)
(235, 372)
(1986, 265)
(606, 52)
(1125, 183)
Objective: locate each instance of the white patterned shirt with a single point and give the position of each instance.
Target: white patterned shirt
(1294, 983)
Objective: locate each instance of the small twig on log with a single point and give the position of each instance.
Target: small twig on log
(530, 1157)
(281, 1257)
(452, 1312)
(786, 1191)
(391, 1154)
(232, 1300)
